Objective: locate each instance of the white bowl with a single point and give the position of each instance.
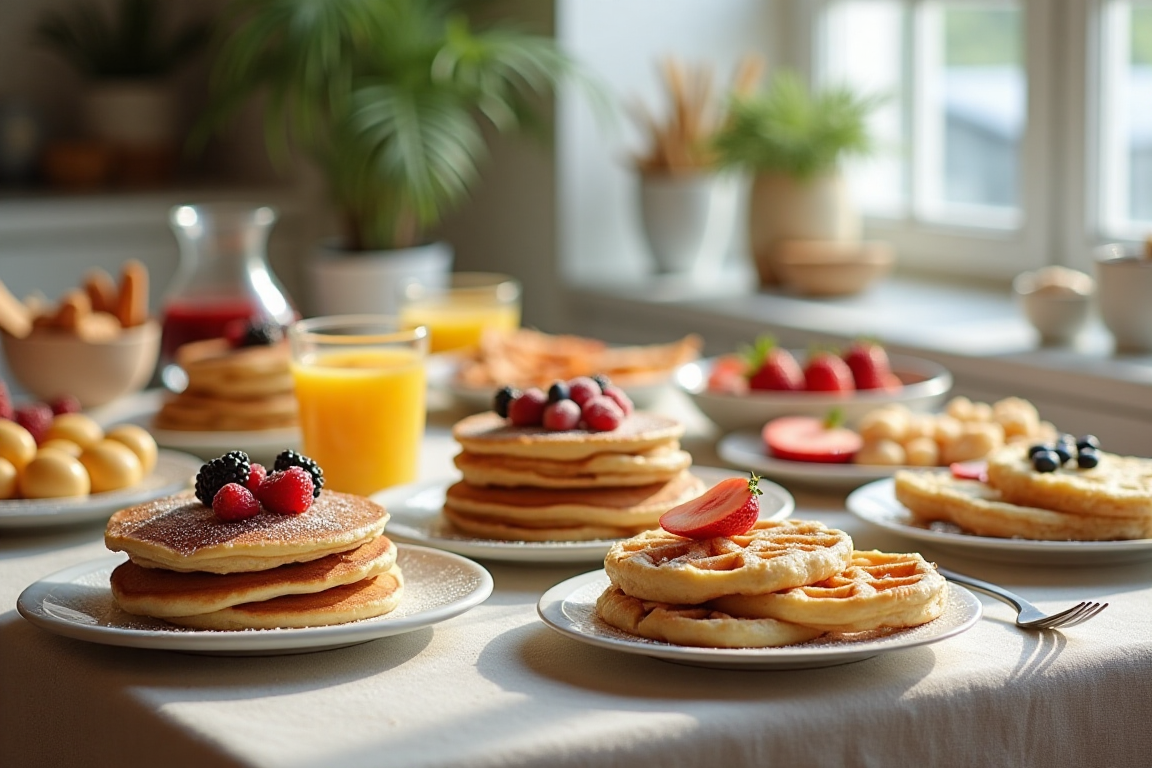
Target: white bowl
(925, 385)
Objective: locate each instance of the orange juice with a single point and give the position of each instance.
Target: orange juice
(362, 415)
(457, 325)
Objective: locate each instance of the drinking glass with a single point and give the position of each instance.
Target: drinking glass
(458, 313)
(360, 386)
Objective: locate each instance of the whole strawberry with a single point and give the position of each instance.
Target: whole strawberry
(36, 418)
(288, 492)
(825, 372)
(773, 368)
(869, 365)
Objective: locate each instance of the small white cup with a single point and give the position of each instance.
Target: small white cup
(1125, 280)
(1057, 301)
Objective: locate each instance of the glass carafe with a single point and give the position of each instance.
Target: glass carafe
(223, 276)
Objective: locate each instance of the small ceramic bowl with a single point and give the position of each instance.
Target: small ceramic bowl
(1057, 301)
(1125, 290)
(827, 268)
(51, 364)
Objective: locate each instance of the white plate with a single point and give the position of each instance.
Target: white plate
(926, 384)
(415, 511)
(876, 503)
(746, 449)
(570, 609)
(77, 602)
(174, 472)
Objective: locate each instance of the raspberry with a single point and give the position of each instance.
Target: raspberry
(561, 415)
(581, 388)
(291, 458)
(288, 492)
(256, 476)
(6, 410)
(620, 398)
(232, 467)
(504, 396)
(36, 418)
(528, 409)
(234, 502)
(65, 404)
(601, 414)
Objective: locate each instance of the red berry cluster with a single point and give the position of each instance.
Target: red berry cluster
(767, 367)
(584, 402)
(35, 417)
(288, 492)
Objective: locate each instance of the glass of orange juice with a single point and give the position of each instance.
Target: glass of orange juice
(458, 313)
(360, 387)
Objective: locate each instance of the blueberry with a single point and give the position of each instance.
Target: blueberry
(1087, 459)
(1046, 461)
(1035, 449)
(558, 391)
(504, 396)
(602, 380)
(1064, 451)
(1088, 441)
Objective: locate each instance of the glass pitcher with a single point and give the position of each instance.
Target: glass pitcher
(223, 276)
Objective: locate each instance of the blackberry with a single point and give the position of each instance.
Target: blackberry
(232, 467)
(504, 396)
(558, 391)
(291, 458)
(602, 380)
(261, 333)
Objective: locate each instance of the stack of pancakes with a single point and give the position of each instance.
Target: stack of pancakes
(329, 565)
(780, 583)
(531, 484)
(1111, 501)
(231, 389)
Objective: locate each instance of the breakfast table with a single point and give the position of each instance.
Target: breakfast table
(496, 687)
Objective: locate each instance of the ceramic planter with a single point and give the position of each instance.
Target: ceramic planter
(371, 282)
(688, 218)
(785, 208)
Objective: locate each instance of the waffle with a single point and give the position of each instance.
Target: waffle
(1118, 487)
(876, 590)
(163, 593)
(981, 510)
(695, 625)
(598, 471)
(662, 567)
(488, 434)
(181, 534)
(374, 596)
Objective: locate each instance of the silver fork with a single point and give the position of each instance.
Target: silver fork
(1030, 617)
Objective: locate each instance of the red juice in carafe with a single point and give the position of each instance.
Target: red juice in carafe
(193, 321)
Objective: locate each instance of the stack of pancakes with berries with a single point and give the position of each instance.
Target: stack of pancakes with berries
(253, 549)
(574, 464)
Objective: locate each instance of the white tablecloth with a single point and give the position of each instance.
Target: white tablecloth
(495, 687)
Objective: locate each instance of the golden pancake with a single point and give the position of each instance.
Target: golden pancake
(217, 369)
(158, 592)
(181, 534)
(601, 470)
(186, 411)
(487, 433)
(374, 596)
(625, 507)
(487, 527)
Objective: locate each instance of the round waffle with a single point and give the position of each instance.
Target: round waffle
(662, 567)
(158, 592)
(600, 470)
(695, 625)
(181, 534)
(876, 590)
(374, 596)
(487, 433)
(979, 509)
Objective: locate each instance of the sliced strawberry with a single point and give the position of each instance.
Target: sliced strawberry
(806, 438)
(970, 470)
(772, 368)
(728, 508)
(825, 372)
(728, 375)
(869, 364)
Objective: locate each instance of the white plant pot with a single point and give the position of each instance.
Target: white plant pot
(343, 282)
(688, 219)
(784, 208)
(131, 114)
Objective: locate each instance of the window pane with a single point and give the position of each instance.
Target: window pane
(1126, 120)
(972, 111)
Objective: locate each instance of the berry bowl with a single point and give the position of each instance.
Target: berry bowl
(925, 384)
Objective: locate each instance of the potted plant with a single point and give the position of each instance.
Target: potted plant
(793, 141)
(126, 59)
(388, 98)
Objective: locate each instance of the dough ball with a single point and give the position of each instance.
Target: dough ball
(16, 444)
(922, 452)
(9, 480)
(111, 466)
(53, 474)
(139, 441)
(76, 427)
(61, 444)
(887, 453)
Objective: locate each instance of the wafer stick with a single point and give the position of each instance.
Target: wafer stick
(132, 303)
(101, 290)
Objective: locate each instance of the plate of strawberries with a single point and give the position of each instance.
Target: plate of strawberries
(763, 381)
